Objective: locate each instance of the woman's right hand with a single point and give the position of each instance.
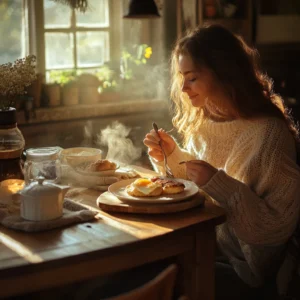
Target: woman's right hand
(152, 142)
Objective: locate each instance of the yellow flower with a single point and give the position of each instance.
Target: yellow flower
(106, 84)
(148, 52)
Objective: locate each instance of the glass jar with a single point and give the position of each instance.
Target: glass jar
(42, 162)
(11, 145)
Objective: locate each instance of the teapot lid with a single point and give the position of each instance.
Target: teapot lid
(39, 187)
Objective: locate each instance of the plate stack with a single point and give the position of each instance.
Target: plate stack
(84, 167)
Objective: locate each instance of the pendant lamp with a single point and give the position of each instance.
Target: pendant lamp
(142, 9)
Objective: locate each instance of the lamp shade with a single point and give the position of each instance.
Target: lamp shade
(142, 9)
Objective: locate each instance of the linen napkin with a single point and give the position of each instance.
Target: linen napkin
(72, 213)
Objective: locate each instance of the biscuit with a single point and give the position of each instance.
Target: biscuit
(170, 186)
(101, 165)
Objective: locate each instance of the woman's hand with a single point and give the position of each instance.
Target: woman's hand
(152, 142)
(199, 171)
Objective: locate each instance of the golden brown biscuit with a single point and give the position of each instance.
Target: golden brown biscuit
(101, 165)
(170, 186)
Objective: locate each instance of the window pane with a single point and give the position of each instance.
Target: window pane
(12, 44)
(92, 48)
(97, 14)
(56, 15)
(59, 50)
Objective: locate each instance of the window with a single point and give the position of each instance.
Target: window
(61, 38)
(74, 40)
(12, 21)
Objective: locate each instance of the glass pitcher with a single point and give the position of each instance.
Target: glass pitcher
(11, 145)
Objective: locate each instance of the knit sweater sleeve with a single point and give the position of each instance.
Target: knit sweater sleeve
(262, 201)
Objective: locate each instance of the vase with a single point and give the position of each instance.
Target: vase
(11, 145)
(70, 95)
(35, 90)
(89, 95)
(53, 93)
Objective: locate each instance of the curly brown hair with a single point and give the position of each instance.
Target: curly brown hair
(235, 65)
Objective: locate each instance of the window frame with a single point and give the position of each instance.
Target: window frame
(36, 32)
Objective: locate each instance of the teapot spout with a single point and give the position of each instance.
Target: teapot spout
(64, 189)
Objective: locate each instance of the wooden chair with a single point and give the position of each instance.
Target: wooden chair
(159, 288)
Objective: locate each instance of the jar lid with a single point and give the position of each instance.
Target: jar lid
(40, 188)
(8, 117)
(40, 154)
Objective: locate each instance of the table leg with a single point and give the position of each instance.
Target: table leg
(206, 246)
(197, 267)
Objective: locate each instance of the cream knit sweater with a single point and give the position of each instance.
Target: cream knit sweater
(257, 183)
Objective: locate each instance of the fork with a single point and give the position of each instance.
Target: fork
(167, 168)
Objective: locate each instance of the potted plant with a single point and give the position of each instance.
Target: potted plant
(53, 94)
(134, 69)
(67, 80)
(70, 94)
(110, 90)
(88, 88)
(109, 84)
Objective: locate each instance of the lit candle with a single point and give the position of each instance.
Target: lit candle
(11, 186)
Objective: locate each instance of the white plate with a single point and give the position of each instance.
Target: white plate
(118, 189)
(99, 174)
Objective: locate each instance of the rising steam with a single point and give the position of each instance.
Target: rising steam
(120, 146)
(88, 134)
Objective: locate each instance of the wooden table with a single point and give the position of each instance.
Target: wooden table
(34, 261)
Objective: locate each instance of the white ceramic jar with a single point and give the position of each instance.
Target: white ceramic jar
(42, 201)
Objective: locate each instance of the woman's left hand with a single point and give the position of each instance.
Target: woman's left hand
(199, 171)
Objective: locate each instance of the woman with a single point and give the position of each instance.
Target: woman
(240, 148)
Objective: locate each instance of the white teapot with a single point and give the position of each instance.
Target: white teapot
(41, 201)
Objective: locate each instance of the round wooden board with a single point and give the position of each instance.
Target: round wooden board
(109, 202)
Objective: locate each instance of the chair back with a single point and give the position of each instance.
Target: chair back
(159, 288)
(289, 269)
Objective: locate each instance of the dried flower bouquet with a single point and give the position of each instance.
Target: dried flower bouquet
(14, 78)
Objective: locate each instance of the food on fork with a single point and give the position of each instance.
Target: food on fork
(144, 187)
(101, 165)
(169, 185)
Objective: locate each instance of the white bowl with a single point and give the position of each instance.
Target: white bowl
(79, 155)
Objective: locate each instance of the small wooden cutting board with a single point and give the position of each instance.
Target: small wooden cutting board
(108, 202)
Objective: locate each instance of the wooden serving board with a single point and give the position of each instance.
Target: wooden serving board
(108, 202)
